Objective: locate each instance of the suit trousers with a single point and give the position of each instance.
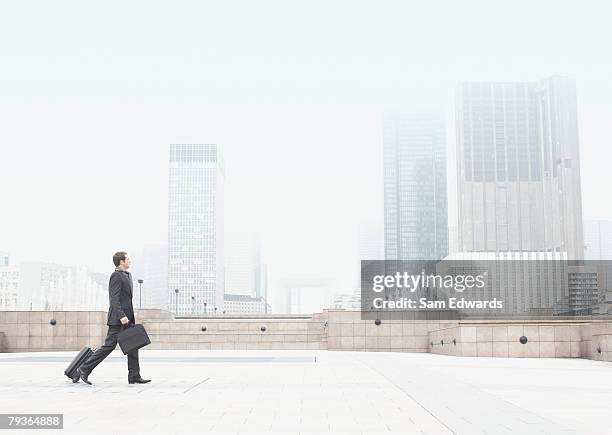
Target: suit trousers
(103, 351)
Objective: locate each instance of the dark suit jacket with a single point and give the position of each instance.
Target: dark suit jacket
(120, 297)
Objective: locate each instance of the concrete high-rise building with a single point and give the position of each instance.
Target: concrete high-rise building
(370, 241)
(9, 284)
(152, 268)
(195, 229)
(4, 259)
(346, 302)
(370, 246)
(519, 168)
(302, 295)
(245, 272)
(244, 304)
(261, 281)
(308, 300)
(597, 240)
(242, 255)
(415, 202)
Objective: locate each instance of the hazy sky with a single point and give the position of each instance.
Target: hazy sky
(91, 95)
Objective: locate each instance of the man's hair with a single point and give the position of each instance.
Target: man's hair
(118, 257)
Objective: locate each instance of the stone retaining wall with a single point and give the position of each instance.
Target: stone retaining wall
(32, 331)
(597, 341)
(502, 339)
(551, 339)
(348, 332)
(236, 333)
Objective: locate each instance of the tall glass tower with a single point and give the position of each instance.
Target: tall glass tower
(416, 218)
(195, 229)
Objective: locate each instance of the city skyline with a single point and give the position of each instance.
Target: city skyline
(300, 121)
(373, 217)
(86, 121)
(368, 214)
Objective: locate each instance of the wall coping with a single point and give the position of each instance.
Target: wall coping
(244, 317)
(531, 321)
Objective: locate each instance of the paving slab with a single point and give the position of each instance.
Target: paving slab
(302, 392)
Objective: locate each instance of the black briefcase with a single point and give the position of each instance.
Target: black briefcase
(133, 337)
(77, 361)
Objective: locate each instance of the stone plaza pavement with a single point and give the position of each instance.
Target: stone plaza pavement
(301, 392)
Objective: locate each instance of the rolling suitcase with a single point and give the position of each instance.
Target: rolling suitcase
(77, 361)
(133, 337)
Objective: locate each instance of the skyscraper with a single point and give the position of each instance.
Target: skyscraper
(370, 246)
(519, 168)
(242, 255)
(370, 241)
(415, 202)
(152, 268)
(195, 229)
(261, 281)
(245, 272)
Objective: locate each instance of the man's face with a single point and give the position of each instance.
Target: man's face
(126, 263)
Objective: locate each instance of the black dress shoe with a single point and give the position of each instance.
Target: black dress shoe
(83, 377)
(139, 381)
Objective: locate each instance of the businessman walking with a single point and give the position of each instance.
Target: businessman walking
(120, 313)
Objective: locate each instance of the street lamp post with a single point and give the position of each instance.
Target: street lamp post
(176, 292)
(140, 281)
